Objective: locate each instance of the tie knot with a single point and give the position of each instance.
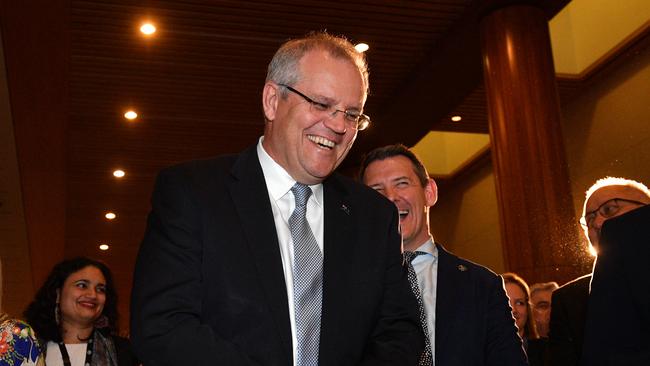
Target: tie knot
(410, 256)
(301, 193)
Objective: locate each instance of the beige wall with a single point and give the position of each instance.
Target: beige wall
(466, 221)
(606, 132)
(607, 129)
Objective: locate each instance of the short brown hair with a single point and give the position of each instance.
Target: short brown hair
(391, 151)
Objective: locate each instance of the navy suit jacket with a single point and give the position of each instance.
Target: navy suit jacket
(209, 287)
(474, 323)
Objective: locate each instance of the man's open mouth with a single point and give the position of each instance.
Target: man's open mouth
(321, 141)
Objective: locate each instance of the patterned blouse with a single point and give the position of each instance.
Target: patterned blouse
(18, 344)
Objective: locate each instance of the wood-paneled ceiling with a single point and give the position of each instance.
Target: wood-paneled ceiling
(196, 85)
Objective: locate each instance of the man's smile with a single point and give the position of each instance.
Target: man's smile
(322, 141)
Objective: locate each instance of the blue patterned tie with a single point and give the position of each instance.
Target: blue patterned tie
(426, 358)
(307, 280)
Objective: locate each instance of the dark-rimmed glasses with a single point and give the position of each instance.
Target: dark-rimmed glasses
(359, 120)
(607, 210)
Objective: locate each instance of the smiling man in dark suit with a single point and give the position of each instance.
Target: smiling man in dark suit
(266, 257)
(465, 312)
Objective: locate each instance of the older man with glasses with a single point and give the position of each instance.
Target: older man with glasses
(607, 198)
(267, 257)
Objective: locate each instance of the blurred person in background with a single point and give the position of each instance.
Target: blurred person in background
(519, 295)
(75, 315)
(540, 297)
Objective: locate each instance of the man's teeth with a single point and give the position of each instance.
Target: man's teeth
(403, 213)
(321, 141)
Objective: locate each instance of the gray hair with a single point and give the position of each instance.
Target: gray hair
(545, 286)
(284, 69)
(612, 181)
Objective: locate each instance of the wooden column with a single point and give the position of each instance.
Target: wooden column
(538, 223)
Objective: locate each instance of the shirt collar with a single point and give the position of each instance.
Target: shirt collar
(278, 181)
(428, 247)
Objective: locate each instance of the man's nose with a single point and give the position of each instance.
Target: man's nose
(390, 194)
(336, 122)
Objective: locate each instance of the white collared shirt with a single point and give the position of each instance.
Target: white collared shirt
(426, 270)
(278, 184)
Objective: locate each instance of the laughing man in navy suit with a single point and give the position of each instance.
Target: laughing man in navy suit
(266, 257)
(468, 317)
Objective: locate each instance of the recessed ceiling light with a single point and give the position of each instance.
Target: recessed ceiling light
(456, 118)
(119, 173)
(103, 246)
(361, 47)
(148, 29)
(130, 115)
(110, 215)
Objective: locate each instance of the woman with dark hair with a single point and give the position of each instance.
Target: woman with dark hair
(74, 315)
(519, 294)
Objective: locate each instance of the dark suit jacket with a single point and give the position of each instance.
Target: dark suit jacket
(209, 286)
(617, 330)
(474, 324)
(124, 352)
(567, 326)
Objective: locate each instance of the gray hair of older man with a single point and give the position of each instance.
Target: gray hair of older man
(284, 69)
(545, 286)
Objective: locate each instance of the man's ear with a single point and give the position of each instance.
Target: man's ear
(431, 192)
(270, 99)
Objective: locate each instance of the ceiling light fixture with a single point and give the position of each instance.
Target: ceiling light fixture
(362, 47)
(103, 246)
(119, 173)
(456, 118)
(130, 115)
(148, 29)
(110, 215)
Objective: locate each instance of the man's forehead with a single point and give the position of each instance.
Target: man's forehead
(605, 194)
(391, 167)
(319, 66)
(541, 294)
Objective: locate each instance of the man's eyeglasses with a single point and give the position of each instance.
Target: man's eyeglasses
(608, 209)
(359, 120)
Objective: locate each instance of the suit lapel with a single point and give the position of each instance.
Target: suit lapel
(339, 216)
(449, 283)
(252, 205)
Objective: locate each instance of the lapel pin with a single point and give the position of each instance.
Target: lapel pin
(462, 268)
(345, 209)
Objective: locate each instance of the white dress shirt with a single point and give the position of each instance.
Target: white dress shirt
(278, 184)
(426, 270)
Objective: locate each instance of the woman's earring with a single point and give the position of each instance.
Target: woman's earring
(56, 314)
